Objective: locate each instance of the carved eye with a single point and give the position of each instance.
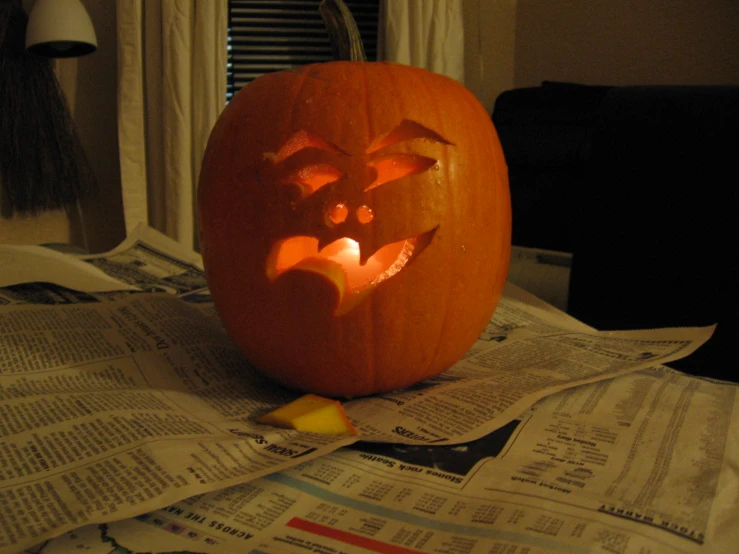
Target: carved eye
(312, 177)
(394, 166)
(397, 166)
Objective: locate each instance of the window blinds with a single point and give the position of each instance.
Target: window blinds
(266, 36)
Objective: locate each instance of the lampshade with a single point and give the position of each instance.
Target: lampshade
(60, 29)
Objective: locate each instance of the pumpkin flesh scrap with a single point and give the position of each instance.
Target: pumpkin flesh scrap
(311, 413)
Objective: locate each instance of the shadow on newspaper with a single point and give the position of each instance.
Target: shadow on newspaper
(458, 459)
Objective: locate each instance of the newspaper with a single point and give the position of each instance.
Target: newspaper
(638, 464)
(128, 398)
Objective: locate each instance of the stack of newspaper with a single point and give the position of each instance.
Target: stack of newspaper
(128, 424)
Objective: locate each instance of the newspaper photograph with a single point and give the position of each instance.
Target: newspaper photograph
(124, 407)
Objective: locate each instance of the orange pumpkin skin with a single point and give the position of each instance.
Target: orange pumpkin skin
(422, 319)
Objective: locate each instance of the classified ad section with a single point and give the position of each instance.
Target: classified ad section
(609, 467)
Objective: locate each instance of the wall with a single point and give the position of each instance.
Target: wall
(520, 43)
(90, 84)
(489, 45)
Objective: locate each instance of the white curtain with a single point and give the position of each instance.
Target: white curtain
(171, 89)
(425, 33)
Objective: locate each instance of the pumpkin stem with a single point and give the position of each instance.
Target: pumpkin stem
(346, 43)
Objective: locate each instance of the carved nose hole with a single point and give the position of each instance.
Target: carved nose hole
(365, 214)
(338, 213)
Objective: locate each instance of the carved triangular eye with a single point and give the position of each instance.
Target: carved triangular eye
(312, 177)
(395, 166)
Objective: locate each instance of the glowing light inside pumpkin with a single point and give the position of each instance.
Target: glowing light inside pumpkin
(341, 263)
(347, 256)
(302, 253)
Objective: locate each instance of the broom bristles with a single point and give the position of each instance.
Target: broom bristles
(42, 163)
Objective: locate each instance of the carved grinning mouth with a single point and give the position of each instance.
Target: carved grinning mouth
(339, 262)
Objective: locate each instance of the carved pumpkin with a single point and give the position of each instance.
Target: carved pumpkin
(355, 224)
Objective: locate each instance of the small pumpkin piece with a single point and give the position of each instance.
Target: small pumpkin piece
(311, 413)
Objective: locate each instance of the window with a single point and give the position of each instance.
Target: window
(266, 36)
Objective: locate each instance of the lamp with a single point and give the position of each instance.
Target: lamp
(60, 29)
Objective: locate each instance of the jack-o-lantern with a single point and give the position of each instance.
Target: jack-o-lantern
(354, 224)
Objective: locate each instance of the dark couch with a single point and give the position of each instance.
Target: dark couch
(640, 185)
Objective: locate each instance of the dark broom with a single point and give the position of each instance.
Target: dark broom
(42, 163)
